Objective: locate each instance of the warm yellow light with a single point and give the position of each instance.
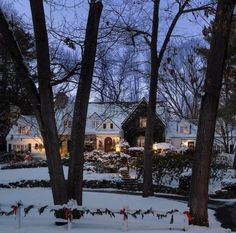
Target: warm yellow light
(117, 147)
(154, 147)
(184, 143)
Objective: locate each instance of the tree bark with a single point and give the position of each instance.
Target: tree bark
(48, 123)
(208, 112)
(151, 107)
(42, 104)
(234, 163)
(75, 175)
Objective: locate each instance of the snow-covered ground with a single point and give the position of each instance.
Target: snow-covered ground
(36, 223)
(41, 173)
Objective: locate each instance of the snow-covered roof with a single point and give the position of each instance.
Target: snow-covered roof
(164, 145)
(31, 125)
(173, 129)
(97, 114)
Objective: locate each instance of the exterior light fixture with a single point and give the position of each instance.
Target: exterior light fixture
(117, 148)
(155, 147)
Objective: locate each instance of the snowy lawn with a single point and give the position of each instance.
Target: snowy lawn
(41, 173)
(36, 223)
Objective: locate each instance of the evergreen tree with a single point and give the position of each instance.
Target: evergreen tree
(11, 91)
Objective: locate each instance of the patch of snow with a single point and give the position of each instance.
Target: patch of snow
(13, 175)
(136, 149)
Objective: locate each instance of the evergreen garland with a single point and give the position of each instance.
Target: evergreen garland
(73, 213)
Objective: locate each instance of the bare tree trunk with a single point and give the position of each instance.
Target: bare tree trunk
(151, 111)
(42, 105)
(208, 112)
(75, 175)
(48, 127)
(151, 107)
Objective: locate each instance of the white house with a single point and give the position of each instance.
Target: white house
(103, 129)
(181, 133)
(25, 136)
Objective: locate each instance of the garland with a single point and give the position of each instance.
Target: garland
(14, 208)
(73, 213)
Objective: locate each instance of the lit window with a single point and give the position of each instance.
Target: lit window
(142, 122)
(141, 141)
(38, 147)
(41, 147)
(184, 129)
(22, 130)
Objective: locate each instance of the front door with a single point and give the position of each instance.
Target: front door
(108, 144)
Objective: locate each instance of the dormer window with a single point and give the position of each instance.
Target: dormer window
(143, 122)
(111, 126)
(95, 123)
(104, 126)
(22, 130)
(184, 129)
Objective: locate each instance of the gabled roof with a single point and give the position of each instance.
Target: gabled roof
(93, 115)
(97, 128)
(142, 101)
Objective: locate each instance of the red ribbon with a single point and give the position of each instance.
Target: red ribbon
(125, 215)
(189, 216)
(14, 209)
(67, 213)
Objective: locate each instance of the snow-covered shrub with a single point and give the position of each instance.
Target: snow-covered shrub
(166, 168)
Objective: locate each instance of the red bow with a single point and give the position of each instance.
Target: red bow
(14, 209)
(67, 213)
(125, 215)
(189, 216)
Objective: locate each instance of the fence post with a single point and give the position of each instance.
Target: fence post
(70, 214)
(18, 216)
(186, 222)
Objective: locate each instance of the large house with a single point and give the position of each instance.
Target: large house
(106, 125)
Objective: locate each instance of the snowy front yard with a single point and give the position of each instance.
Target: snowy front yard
(36, 223)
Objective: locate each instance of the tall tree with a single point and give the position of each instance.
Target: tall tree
(208, 111)
(42, 99)
(225, 124)
(75, 175)
(133, 30)
(156, 60)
